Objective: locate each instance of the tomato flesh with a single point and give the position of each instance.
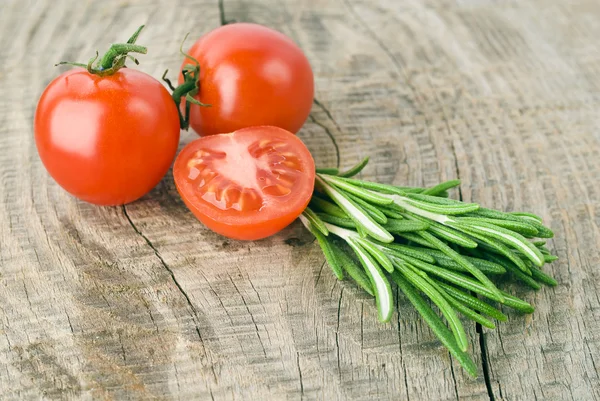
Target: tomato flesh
(248, 184)
(250, 75)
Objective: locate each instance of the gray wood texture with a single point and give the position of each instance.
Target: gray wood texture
(143, 302)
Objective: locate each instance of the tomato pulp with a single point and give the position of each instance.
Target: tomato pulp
(248, 184)
(250, 75)
(106, 140)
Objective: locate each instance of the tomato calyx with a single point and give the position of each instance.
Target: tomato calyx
(114, 58)
(188, 89)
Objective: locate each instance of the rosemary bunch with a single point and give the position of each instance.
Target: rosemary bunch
(430, 246)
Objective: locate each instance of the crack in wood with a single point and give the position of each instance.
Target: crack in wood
(331, 136)
(251, 317)
(337, 333)
(170, 271)
(222, 19)
(454, 378)
(484, 362)
(300, 374)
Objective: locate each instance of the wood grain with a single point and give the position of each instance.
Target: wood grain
(143, 302)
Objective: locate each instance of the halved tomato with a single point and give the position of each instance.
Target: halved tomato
(248, 184)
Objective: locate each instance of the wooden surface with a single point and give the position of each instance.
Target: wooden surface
(142, 302)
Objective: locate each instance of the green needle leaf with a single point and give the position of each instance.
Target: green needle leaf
(524, 229)
(437, 298)
(442, 187)
(543, 277)
(326, 170)
(379, 256)
(338, 221)
(463, 262)
(435, 323)
(461, 307)
(383, 291)
(443, 260)
(392, 212)
(315, 220)
(367, 195)
(499, 248)
(356, 169)
(403, 226)
(543, 231)
(414, 237)
(474, 302)
(359, 216)
(415, 252)
(526, 216)
(371, 210)
(381, 188)
(329, 254)
(447, 233)
(353, 270)
(326, 207)
(514, 269)
(443, 209)
(508, 237)
(436, 200)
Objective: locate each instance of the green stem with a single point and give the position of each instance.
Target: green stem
(114, 59)
(119, 50)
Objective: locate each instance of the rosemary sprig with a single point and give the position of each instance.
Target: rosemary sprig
(431, 246)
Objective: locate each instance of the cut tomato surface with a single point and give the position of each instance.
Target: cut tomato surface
(248, 184)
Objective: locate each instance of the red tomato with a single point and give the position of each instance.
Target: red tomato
(248, 184)
(106, 140)
(250, 75)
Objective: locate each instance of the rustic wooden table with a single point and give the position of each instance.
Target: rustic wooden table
(142, 302)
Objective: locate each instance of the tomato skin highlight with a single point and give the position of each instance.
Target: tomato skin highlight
(234, 169)
(106, 140)
(250, 75)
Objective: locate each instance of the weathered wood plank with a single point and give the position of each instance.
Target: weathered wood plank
(142, 301)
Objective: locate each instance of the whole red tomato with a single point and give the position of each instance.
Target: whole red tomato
(107, 134)
(250, 75)
(106, 140)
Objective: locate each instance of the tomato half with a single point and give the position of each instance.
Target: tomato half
(106, 140)
(250, 75)
(248, 184)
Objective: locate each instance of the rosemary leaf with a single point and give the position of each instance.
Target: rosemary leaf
(371, 210)
(360, 217)
(522, 228)
(383, 291)
(422, 284)
(443, 209)
(435, 323)
(330, 171)
(403, 226)
(461, 307)
(315, 220)
(355, 169)
(415, 252)
(496, 294)
(543, 277)
(509, 238)
(511, 267)
(338, 221)
(447, 233)
(379, 256)
(362, 193)
(353, 270)
(474, 302)
(442, 187)
(327, 207)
